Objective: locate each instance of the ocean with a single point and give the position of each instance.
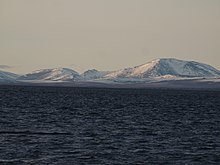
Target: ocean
(71, 126)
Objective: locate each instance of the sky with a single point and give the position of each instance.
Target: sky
(106, 34)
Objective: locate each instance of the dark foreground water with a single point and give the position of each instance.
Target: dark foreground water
(45, 125)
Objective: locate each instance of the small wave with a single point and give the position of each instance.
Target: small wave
(33, 133)
(11, 161)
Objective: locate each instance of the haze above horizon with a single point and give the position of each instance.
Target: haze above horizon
(106, 34)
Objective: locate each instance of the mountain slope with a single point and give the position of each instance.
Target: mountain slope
(166, 67)
(57, 74)
(7, 76)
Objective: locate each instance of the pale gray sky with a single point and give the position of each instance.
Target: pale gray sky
(106, 34)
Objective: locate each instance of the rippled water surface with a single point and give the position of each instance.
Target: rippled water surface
(46, 125)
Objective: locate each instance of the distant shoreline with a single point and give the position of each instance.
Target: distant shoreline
(172, 84)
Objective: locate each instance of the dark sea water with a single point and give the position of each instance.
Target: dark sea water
(49, 125)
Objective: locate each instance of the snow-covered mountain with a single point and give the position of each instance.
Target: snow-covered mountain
(154, 71)
(7, 76)
(93, 74)
(57, 74)
(166, 67)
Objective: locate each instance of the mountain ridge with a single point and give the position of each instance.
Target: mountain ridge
(158, 69)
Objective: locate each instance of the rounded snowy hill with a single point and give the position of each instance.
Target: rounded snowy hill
(93, 74)
(167, 67)
(57, 74)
